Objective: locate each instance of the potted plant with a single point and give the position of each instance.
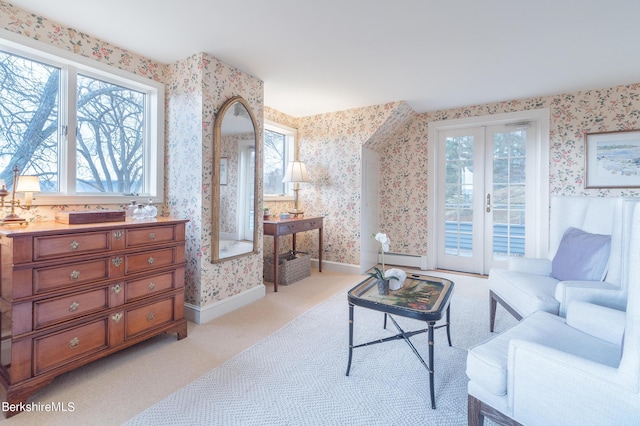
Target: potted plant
(266, 213)
(378, 274)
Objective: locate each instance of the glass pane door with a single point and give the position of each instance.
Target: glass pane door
(508, 203)
(460, 201)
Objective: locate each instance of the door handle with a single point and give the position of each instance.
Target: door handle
(488, 203)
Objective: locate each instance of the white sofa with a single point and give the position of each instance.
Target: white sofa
(527, 284)
(580, 370)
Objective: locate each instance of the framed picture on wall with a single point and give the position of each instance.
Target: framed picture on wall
(612, 159)
(223, 170)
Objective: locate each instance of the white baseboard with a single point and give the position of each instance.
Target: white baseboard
(344, 268)
(399, 259)
(203, 314)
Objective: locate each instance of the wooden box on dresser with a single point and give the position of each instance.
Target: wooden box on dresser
(71, 294)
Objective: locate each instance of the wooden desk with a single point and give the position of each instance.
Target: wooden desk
(276, 228)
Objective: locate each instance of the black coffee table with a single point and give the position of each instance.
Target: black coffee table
(422, 297)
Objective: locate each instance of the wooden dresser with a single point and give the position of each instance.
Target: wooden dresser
(71, 294)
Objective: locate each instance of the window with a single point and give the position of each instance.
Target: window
(279, 149)
(91, 133)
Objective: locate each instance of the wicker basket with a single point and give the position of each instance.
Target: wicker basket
(292, 267)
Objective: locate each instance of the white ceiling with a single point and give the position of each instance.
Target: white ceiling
(318, 56)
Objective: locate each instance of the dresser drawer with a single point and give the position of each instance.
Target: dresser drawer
(148, 286)
(50, 247)
(152, 259)
(151, 235)
(61, 348)
(56, 277)
(148, 317)
(60, 309)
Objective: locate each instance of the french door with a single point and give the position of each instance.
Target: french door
(486, 196)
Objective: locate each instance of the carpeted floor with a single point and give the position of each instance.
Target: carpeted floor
(296, 376)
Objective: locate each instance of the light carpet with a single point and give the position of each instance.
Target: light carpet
(296, 376)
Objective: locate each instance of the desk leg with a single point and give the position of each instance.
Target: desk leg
(276, 250)
(319, 249)
(350, 336)
(431, 366)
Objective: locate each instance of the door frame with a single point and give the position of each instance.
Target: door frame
(541, 220)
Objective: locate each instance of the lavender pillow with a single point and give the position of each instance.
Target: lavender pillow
(581, 256)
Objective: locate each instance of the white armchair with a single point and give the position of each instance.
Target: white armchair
(527, 284)
(546, 370)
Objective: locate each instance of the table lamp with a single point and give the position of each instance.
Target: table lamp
(26, 184)
(296, 173)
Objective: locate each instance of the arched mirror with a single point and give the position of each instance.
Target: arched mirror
(234, 204)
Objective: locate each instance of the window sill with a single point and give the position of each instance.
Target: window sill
(278, 198)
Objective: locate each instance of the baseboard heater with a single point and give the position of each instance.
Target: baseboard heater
(400, 259)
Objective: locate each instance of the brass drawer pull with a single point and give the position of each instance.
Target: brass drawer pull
(117, 317)
(75, 274)
(151, 261)
(151, 317)
(74, 307)
(116, 288)
(117, 261)
(151, 286)
(117, 235)
(152, 235)
(74, 343)
(74, 245)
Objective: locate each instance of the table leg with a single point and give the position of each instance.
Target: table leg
(448, 324)
(320, 250)
(293, 242)
(350, 336)
(276, 250)
(431, 366)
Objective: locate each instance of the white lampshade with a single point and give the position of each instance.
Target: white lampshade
(296, 172)
(28, 184)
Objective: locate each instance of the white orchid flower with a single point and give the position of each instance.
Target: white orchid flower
(384, 240)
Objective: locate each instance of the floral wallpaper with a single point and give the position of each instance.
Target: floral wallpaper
(18, 21)
(329, 144)
(198, 88)
(195, 89)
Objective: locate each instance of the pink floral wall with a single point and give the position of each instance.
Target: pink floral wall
(329, 144)
(195, 90)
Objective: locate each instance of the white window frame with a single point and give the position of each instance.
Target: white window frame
(290, 139)
(70, 64)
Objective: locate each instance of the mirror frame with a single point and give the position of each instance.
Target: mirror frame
(215, 190)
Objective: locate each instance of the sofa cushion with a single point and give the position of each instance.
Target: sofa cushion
(487, 362)
(581, 256)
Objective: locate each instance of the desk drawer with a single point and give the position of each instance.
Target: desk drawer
(60, 309)
(312, 224)
(290, 228)
(64, 347)
(49, 247)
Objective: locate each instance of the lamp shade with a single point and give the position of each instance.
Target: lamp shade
(28, 184)
(296, 172)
